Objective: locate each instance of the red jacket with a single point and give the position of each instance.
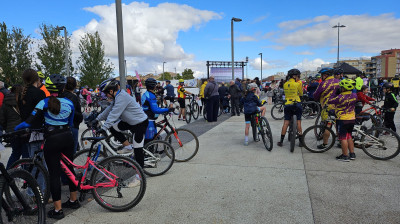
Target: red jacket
(364, 98)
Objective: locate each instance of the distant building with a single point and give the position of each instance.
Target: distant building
(360, 64)
(386, 65)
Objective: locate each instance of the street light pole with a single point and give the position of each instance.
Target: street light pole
(120, 36)
(163, 69)
(261, 66)
(338, 28)
(65, 49)
(233, 20)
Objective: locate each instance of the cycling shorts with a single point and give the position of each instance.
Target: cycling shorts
(293, 109)
(181, 102)
(170, 98)
(345, 128)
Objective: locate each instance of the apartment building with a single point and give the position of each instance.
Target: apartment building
(385, 65)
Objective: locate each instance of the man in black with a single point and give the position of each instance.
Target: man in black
(223, 92)
(235, 94)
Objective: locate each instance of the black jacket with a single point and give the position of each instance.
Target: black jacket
(78, 117)
(234, 91)
(222, 91)
(32, 97)
(390, 101)
(9, 114)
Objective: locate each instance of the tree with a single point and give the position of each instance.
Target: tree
(52, 52)
(6, 55)
(178, 76)
(165, 76)
(93, 66)
(187, 74)
(23, 57)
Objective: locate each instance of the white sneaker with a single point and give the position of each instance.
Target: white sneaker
(149, 164)
(125, 149)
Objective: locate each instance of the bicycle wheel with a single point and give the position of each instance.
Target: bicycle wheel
(266, 134)
(315, 145)
(188, 114)
(277, 111)
(177, 107)
(129, 188)
(158, 157)
(163, 134)
(23, 181)
(184, 142)
(293, 133)
(80, 159)
(380, 143)
(85, 134)
(195, 110)
(310, 110)
(254, 129)
(38, 172)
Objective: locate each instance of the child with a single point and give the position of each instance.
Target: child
(251, 104)
(362, 99)
(390, 106)
(345, 103)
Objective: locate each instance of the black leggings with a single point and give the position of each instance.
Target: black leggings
(53, 147)
(138, 131)
(388, 121)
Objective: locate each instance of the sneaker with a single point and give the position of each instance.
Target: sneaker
(73, 205)
(280, 144)
(125, 149)
(149, 164)
(343, 158)
(55, 215)
(246, 143)
(322, 146)
(352, 156)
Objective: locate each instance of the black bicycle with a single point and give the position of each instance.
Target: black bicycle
(260, 127)
(21, 199)
(192, 109)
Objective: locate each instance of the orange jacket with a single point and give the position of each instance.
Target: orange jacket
(43, 88)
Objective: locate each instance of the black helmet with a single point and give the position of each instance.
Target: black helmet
(55, 83)
(109, 84)
(388, 85)
(293, 72)
(338, 71)
(150, 83)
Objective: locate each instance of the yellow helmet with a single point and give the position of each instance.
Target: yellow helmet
(181, 80)
(40, 74)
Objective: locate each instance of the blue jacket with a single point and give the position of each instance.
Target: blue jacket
(150, 107)
(311, 89)
(170, 90)
(250, 103)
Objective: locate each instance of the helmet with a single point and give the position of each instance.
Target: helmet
(388, 85)
(251, 86)
(293, 72)
(150, 83)
(168, 81)
(40, 74)
(181, 80)
(327, 71)
(318, 76)
(109, 84)
(348, 84)
(55, 83)
(338, 71)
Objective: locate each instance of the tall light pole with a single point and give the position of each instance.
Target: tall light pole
(261, 66)
(338, 28)
(59, 28)
(120, 36)
(163, 69)
(233, 20)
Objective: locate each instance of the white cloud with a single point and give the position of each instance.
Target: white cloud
(364, 33)
(246, 38)
(304, 53)
(260, 18)
(307, 65)
(150, 33)
(256, 64)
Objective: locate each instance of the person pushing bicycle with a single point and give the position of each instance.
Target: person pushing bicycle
(293, 91)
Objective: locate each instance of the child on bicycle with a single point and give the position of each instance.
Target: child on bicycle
(251, 104)
(390, 105)
(345, 101)
(362, 99)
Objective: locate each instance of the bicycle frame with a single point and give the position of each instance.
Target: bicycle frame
(167, 124)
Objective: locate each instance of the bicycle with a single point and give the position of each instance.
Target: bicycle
(194, 108)
(17, 204)
(311, 110)
(377, 142)
(205, 110)
(293, 134)
(260, 126)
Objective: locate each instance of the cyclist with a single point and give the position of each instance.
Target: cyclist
(124, 113)
(150, 107)
(170, 93)
(344, 103)
(251, 104)
(201, 94)
(182, 92)
(293, 91)
(359, 83)
(390, 105)
(338, 73)
(373, 85)
(42, 86)
(362, 99)
(318, 78)
(324, 91)
(396, 86)
(57, 114)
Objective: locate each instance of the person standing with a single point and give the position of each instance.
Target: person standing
(170, 93)
(3, 93)
(390, 105)
(396, 85)
(203, 100)
(182, 92)
(212, 106)
(234, 95)
(223, 92)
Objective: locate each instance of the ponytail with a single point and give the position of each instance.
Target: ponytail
(54, 105)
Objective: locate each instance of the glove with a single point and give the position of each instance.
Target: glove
(101, 132)
(171, 109)
(22, 126)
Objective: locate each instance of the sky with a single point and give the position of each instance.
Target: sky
(186, 34)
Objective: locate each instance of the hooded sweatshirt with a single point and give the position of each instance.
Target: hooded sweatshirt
(9, 113)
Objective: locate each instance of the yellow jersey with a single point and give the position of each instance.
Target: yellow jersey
(293, 90)
(181, 92)
(395, 82)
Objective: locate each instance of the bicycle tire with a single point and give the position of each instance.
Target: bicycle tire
(307, 139)
(163, 134)
(277, 111)
(38, 214)
(89, 133)
(266, 134)
(161, 160)
(254, 129)
(392, 145)
(195, 110)
(309, 107)
(293, 133)
(188, 146)
(135, 192)
(188, 114)
(40, 172)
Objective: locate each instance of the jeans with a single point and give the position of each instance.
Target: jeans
(235, 104)
(32, 148)
(18, 149)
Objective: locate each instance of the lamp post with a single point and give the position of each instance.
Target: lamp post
(120, 37)
(233, 20)
(59, 28)
(163, 69)
(261, 66)
(338, 28)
